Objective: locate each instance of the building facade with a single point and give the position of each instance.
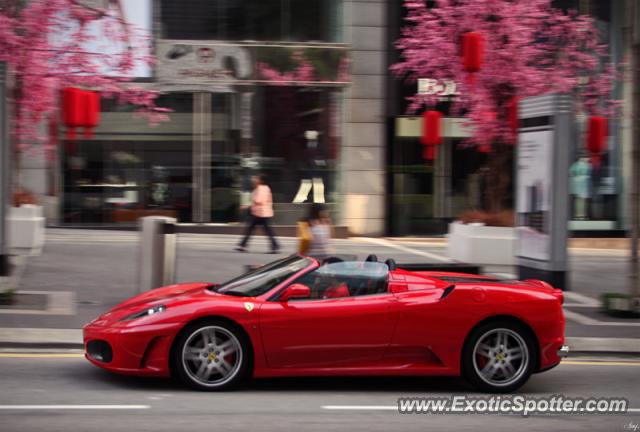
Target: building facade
(424, 197)
(292, 89)
(298, 90)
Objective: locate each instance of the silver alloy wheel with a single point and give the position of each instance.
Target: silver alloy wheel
(500, 357)
(212, 356)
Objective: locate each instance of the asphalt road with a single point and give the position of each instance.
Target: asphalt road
(282, 404)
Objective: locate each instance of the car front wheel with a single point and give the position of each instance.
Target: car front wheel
(498, 357)
(211, 356)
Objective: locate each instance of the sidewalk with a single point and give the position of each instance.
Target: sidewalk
(83, 273)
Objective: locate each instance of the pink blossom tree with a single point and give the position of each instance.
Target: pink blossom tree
(52, 44)
(304, 71)
(530, 48)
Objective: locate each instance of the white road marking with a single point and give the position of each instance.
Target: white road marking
(74, 407)
(395, 408)
(362, 407)
(598, 252)
(588, 301)
(391, 245)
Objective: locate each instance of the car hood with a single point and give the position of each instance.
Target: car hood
(164, 294)
(169, 295)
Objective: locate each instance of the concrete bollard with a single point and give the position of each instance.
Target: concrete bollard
(157, 252)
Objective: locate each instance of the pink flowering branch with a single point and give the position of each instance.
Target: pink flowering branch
(43, 62)
(530, 49)
(304, 71)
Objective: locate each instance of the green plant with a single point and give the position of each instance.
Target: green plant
(619, 305)
(7, 293)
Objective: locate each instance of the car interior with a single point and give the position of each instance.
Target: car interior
(336, 278)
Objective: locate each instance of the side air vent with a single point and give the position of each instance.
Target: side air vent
(447, 291)
(100, 350)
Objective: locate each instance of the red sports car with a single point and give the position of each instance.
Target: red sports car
(299, 317)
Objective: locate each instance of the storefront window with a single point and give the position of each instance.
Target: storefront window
(197, 166)
(262, 20)
(298, 138)
(426, 195)
(129, 170)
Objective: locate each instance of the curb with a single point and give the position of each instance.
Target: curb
(40, 338)
(595, 345)
(603, 244)
(72, 338)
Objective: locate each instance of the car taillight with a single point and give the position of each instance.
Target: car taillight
(559, 295)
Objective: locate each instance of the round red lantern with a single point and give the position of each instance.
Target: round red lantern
(72, 110)
(472, 51)
(91, 102)
(597, 132)
(431, 136)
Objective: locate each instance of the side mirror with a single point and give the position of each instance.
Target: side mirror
(295, 291)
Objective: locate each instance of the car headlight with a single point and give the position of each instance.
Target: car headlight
(151, 311)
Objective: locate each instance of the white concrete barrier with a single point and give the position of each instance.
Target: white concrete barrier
(25, 226)
(477, 243)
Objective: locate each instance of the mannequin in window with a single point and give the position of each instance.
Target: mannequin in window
(580, 175)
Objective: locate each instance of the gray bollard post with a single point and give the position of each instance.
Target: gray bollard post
(157, 252)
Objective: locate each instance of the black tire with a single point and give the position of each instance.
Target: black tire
(191, 353)
(488, 367)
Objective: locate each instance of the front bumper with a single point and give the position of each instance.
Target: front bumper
(135, 350)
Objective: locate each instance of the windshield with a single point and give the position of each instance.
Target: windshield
(262, 279)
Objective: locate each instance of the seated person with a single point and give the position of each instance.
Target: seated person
(337, 290)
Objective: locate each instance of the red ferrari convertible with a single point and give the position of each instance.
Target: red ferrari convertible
(299, 317)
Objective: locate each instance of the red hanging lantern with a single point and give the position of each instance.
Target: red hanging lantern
(597, 132)
(512, 117)
(72, 110)
(472, 51)
(91, 102)
(431, 135)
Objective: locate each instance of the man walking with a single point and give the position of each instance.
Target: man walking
(261, 211)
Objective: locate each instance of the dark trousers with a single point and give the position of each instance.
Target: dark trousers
(255, 221)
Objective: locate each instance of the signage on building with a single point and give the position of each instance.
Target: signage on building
(430, 86)
(197, 62)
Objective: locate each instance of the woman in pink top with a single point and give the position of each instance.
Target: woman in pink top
(261, 212)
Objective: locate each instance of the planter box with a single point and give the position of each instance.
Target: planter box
(26, 228)
(481, 244)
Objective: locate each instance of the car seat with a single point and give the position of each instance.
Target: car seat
(391, 263)
(337, 291)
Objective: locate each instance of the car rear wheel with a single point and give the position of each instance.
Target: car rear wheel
(211, 356)
(499, 357)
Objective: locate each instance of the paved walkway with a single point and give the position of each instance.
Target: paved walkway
(82, 273)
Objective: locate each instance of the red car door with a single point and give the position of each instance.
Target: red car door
(335, 327)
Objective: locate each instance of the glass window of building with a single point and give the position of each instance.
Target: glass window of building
(260, 20)
(128, 170)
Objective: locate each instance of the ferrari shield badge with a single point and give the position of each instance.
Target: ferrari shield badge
(248, 306)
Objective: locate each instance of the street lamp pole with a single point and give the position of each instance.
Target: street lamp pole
(635, 150)
(4, 170)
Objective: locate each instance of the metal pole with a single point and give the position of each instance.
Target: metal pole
(634, 39)
(157, 263)
(4, 170)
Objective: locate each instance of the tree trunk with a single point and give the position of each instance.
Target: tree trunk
(499, 175)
